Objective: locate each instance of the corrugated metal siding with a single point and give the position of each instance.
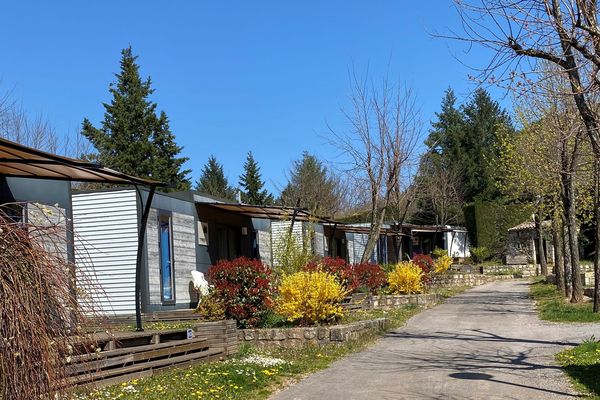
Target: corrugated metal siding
(350, 248)
(278, 232)
(264, 247)
(356, 248)
(319, 244)
(106, 233)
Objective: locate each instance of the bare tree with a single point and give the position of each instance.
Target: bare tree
(37, 132)
(439, 191)
(380, 145)
(524, 34)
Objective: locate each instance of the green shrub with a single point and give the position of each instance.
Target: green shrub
(437, 252)
(211, 307)
(291, 254)
(479, 254)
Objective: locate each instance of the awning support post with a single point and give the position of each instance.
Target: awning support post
(138, 261)
(332, 240)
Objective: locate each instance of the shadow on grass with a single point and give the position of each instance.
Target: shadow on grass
(582, 364)
(587, 376)
(552, 306)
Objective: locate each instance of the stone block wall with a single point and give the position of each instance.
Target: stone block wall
(456, 280)
(313, 335)
(526, 269)
(367, 301)
(394, 301)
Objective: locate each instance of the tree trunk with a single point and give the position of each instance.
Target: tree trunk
(597, 244)
(567, 177)
(558, 256)
(374, 233)
(577, 287)
(540, 244)
(567, 264)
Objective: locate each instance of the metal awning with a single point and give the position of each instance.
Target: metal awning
(366, 230)
(25, 162)
(21, 161)
(267, 212)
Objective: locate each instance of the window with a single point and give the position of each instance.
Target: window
(202, 233)
(167, 283)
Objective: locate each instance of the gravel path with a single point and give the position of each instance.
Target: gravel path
(486, 343)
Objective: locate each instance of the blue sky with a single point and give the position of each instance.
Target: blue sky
(266, 76)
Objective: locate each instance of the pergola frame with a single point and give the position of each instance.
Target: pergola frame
(21, 161)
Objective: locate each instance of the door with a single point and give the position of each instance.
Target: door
(167, 283)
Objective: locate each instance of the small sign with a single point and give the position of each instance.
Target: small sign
(190, 333)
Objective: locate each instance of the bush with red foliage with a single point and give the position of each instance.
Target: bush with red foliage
(426, 263)
(335, 266)
(368, 277)
(245, 288)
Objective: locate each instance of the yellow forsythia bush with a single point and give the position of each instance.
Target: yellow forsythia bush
(442, 264)
(310, 297)
(406, 278)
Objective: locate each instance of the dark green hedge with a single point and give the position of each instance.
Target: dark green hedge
(488, 223)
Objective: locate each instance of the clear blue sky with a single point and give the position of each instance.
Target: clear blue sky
(266, 76)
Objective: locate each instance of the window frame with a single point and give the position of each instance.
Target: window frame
(168, 217)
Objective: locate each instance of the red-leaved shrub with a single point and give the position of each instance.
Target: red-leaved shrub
(368, 277)
(245, 288)
(334, 266)
(426, 263)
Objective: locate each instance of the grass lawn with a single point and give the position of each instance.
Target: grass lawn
(582, 364)
(553, 307)
(251, 374)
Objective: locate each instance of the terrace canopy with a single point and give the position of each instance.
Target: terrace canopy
(21, 161)
(268, 212)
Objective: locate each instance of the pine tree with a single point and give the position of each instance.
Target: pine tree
(312, 186)
(252, 184)
(466, 139)
(483, 120)
(213, 181)
(167, 166)
(132, 138)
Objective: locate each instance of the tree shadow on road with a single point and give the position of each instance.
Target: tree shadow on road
(478, 335)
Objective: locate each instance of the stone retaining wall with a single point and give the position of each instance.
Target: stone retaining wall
(298, 337)
(526, 269)
(456, 280)
(367, 301)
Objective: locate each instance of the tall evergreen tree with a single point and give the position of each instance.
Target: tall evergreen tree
(252, 185)
(466, 139)
(312, 186)
(484, 118)
(213, 181)
(133, 139)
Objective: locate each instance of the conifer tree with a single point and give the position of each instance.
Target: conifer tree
(466, 140)
(213, 181)
(132, 138)
(252, 185)
(312, 186)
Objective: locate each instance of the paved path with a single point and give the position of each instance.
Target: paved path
(486, 343)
